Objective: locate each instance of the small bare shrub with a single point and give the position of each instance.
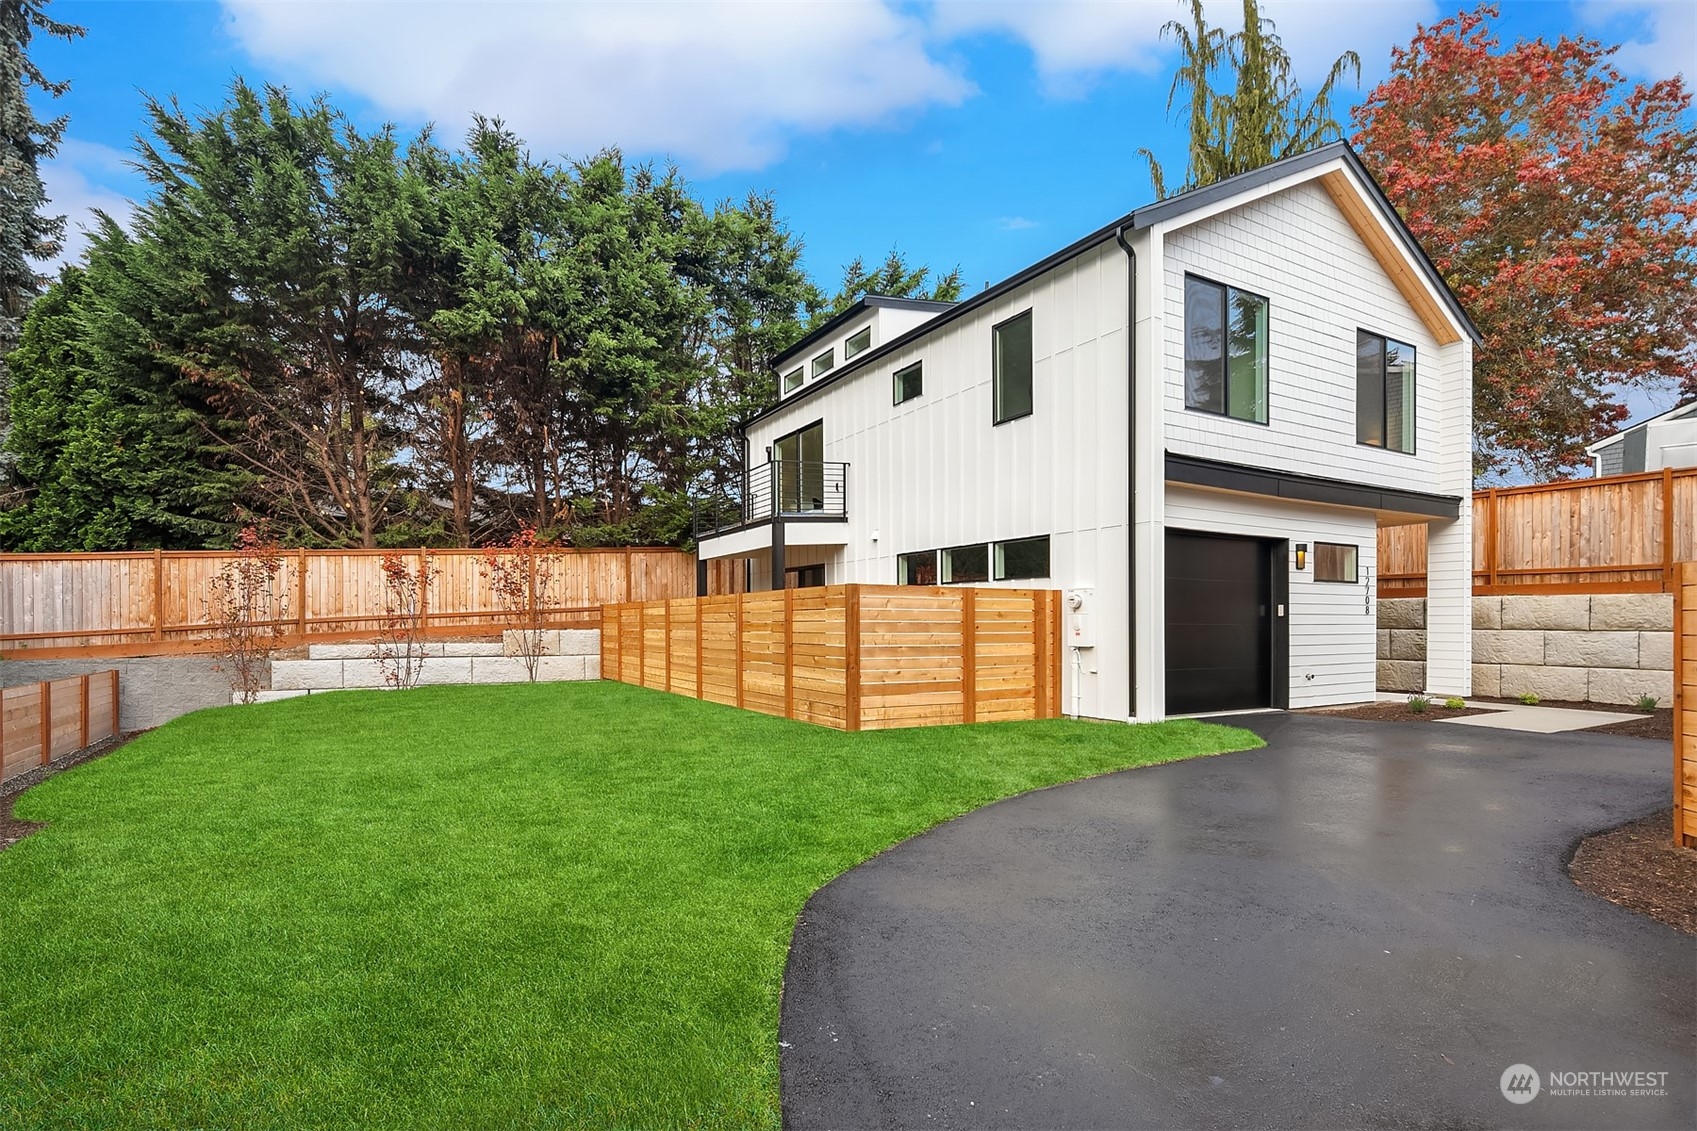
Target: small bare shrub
(247, 611)
(519, 572)
(401, 633)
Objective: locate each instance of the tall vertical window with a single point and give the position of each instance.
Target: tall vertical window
(857, 342)
(1384, 392)
(1225, 350)
(1012, 347)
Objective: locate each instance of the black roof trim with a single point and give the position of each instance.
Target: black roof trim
(1141, 218)
(862, 304)
(1199, 472)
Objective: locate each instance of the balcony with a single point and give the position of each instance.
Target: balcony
(786, 489)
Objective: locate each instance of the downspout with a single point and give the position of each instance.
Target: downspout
(1131, 449)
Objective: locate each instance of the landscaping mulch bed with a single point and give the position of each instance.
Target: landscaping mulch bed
(13, 830)
(1637, 866)
(1400, 712)
(1658, 724)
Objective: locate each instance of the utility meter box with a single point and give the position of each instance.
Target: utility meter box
(1079, 621)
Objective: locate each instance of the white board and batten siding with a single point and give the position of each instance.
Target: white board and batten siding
(937, 471)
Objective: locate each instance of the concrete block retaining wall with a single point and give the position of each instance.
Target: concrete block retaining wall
(156, 689)
(1600, 648)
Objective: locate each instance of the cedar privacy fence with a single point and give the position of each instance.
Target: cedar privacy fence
(43, 721)
(154, 603)
(1685, 707)
(851, 657)
(1621, 534)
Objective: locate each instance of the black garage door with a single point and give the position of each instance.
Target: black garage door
(1219, 623)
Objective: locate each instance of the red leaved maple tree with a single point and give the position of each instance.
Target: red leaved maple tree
(1561, 206)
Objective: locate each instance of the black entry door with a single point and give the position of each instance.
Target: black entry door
(1219, 623)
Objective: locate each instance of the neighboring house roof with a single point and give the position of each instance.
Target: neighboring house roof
(1678, 413)
(861, 304)
(1360, 198)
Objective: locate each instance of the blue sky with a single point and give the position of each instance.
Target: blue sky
(983, 135)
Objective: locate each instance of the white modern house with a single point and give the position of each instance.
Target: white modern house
(1667, 440)
(1192, 420)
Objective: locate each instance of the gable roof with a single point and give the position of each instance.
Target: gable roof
(1678, 412)
(1373, 214)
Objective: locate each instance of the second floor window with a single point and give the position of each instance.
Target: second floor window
(824, 362)
(1225, 350)
(1012, 347)
(792, 381)
(1384, 392)
(857, 342)
(909, 382)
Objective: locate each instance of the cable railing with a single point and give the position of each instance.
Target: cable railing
(779, 489)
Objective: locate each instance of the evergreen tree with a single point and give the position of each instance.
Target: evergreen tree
(110, 444)
(26, 233)
(1262, 118)
(894, 277)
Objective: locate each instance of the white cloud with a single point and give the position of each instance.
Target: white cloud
(1665, 43)
(1075, 41)
(78, 181)
(1014, 223)
(720, 84)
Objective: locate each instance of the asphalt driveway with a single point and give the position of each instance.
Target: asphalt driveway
(1362, 925)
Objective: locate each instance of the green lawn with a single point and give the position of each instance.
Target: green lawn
(460, 907)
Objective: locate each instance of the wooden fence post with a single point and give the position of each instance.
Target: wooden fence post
(83, 729)
(1493, 552)
(738, 666)
(46, 722)
(969, 655)
(300, 593)
(159, 594)
(700, 679)
(1670, 580)
(423, 592)
(789, 652)
(851, 658)
(641, 645)
(629, 596)
(666, 636)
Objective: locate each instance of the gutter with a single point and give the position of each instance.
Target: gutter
(1131, 449)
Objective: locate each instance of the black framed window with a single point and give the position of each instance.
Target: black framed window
(1384, 392)
(909, 383)
(1225, 350)
(1336, 561)
(804, 577)
(966, 563)
(856, 343)
(918, 568)
(792, 381)
(1012, 348)
(824, 362)
(1022, 557)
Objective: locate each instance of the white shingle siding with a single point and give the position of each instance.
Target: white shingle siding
(1322, 284)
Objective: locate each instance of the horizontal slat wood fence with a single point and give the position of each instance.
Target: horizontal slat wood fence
(43, 721)
(851, 657)
(1685, 707)
(151, 603)
(1620, 534)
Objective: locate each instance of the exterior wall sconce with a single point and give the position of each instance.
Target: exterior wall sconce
(1301, 556)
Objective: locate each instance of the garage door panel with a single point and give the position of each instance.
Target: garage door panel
(1219, 627)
